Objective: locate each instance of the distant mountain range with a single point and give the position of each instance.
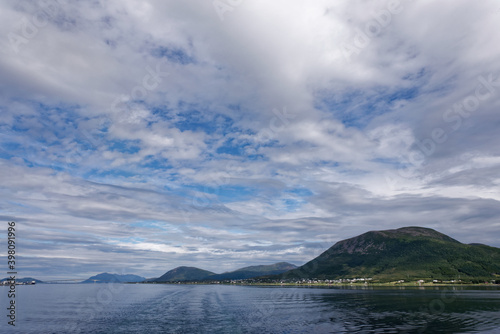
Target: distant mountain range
(195, 274)
(405, 253)
(254, 271)
(114, 278)
(23, 280)
(184, 274)
(408, 253)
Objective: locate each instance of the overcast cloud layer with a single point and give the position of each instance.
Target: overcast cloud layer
(138, 136)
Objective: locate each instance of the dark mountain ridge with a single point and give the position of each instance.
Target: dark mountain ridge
(180, 274)
(253, 271)
(114, 278)
(184, 274)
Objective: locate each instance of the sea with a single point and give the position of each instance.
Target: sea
(179, 308)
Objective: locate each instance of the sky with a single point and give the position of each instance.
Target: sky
(138, 136)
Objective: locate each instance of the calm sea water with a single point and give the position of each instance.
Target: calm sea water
(123, 308)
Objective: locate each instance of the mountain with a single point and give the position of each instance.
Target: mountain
(23, 280)
(184, 274)
(253, 271)
(404, 253)
(114, 278)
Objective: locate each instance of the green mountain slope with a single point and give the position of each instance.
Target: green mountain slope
(253, 271)
(405, 253)
(184, 274)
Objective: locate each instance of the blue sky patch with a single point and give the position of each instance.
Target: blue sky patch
(196, 120)
(173, 54)
(302, 192)
(125, 146)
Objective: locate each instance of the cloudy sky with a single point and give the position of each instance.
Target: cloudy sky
(138, 136)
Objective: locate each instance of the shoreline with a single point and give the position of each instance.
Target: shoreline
(362, 285)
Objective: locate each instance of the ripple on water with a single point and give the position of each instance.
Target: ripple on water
(238, 309)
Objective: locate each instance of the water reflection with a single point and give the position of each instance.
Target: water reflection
(414, 310)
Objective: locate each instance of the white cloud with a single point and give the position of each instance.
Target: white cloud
(245, 139)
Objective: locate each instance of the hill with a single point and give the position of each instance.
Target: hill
(114, 278)
(253, 271)
(23, 280)
(180, 274)
(405, 253)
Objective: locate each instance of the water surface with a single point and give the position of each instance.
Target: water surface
(158, 308)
